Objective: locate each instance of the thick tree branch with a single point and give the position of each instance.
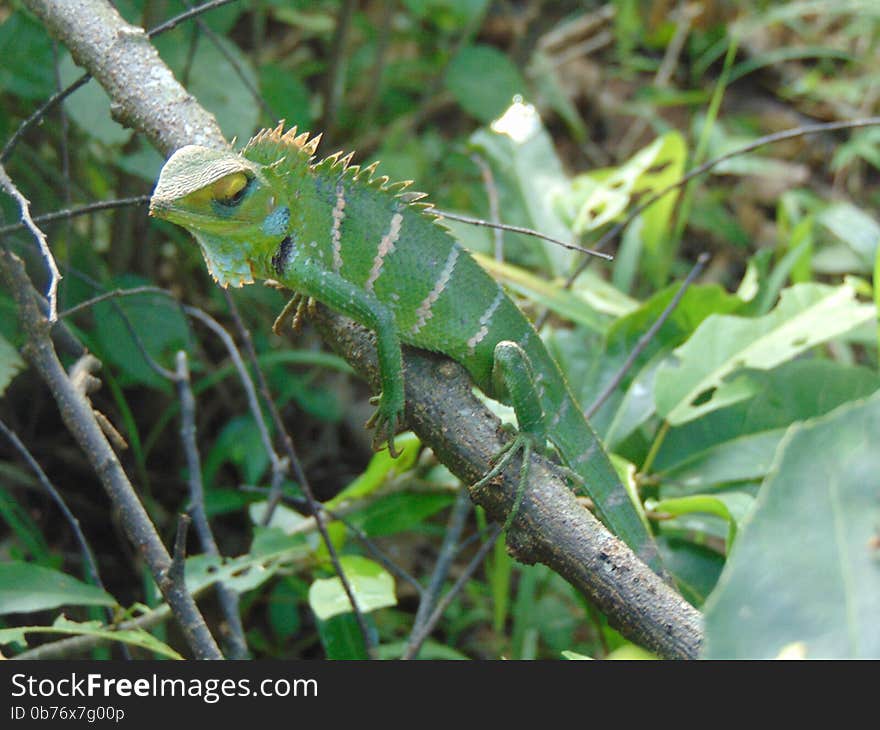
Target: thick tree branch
(117, 54)
(551, 526)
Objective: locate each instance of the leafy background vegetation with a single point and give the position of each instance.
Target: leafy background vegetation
(748, 425)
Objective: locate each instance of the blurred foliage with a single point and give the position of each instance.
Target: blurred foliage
(749, 421)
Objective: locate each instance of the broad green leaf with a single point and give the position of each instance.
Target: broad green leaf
(695, 567)
(484, 81)
(746, 458)
(372, 585)
(697, 303)
(807, 315)
(563, 302)
(636, 406)
(400, 511)
(26, 587)
(341, 637)
(600, 197)
(215, 82)
(732, 507)
(62, 625)
(161, 328)
(241, 444)
(10, 363)
(380, 469)
(805, 567)
(630, 652)
(794, 391)
(287, 94)
(528, 176)
(89, 107)
(283, 518)
(28, 75)
(855, 228)
(283, 607)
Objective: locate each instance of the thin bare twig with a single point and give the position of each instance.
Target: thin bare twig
(80, 421)
(227, 597)
(494, 208)
(780, 136)
(448, 550)
(527, 231)
(293, 462)
(236, 65)
(75, 212)
(134, 291)
(418, 638)
(60, 96)
(335, 76)
(646, 338)
(84, 547)
(191, 13)
(40, 237)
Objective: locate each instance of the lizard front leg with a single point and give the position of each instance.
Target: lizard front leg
(347, 299)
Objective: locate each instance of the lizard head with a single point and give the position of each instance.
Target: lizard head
(229, 205)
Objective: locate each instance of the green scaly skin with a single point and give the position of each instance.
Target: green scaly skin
(372, 252)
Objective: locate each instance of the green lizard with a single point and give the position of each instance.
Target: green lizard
(367, 249)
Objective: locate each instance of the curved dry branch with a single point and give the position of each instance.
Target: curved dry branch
(551, 526)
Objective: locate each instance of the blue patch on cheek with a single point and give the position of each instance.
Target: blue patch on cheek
(275, 224)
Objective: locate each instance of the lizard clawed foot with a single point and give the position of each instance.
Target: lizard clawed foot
(386, 418)
(521, 442)
(295, 310)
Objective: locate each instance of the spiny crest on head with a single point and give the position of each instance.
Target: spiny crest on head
(274, 146)
(339, 163)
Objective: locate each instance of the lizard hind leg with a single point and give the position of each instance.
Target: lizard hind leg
(513, 375)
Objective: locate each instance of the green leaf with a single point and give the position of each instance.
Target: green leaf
(805, 567)
(600, 197)
(160, 326)
(341, 637)
(696, 568)
(29, 74)
(400, 511)
(807, 314)
(241, 444)
(855, 228)
(380, 469)
(563, 302)
(283, 607)
(10, 363)
(732, 507)
(286, 94)
(740, 459)
(794, 391)
(134, 637)
(484, 81)
(89, 107)
(574, 656)
(26, 587)
(372, 585)
(528, 176)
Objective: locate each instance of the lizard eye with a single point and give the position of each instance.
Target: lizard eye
(230, 190)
